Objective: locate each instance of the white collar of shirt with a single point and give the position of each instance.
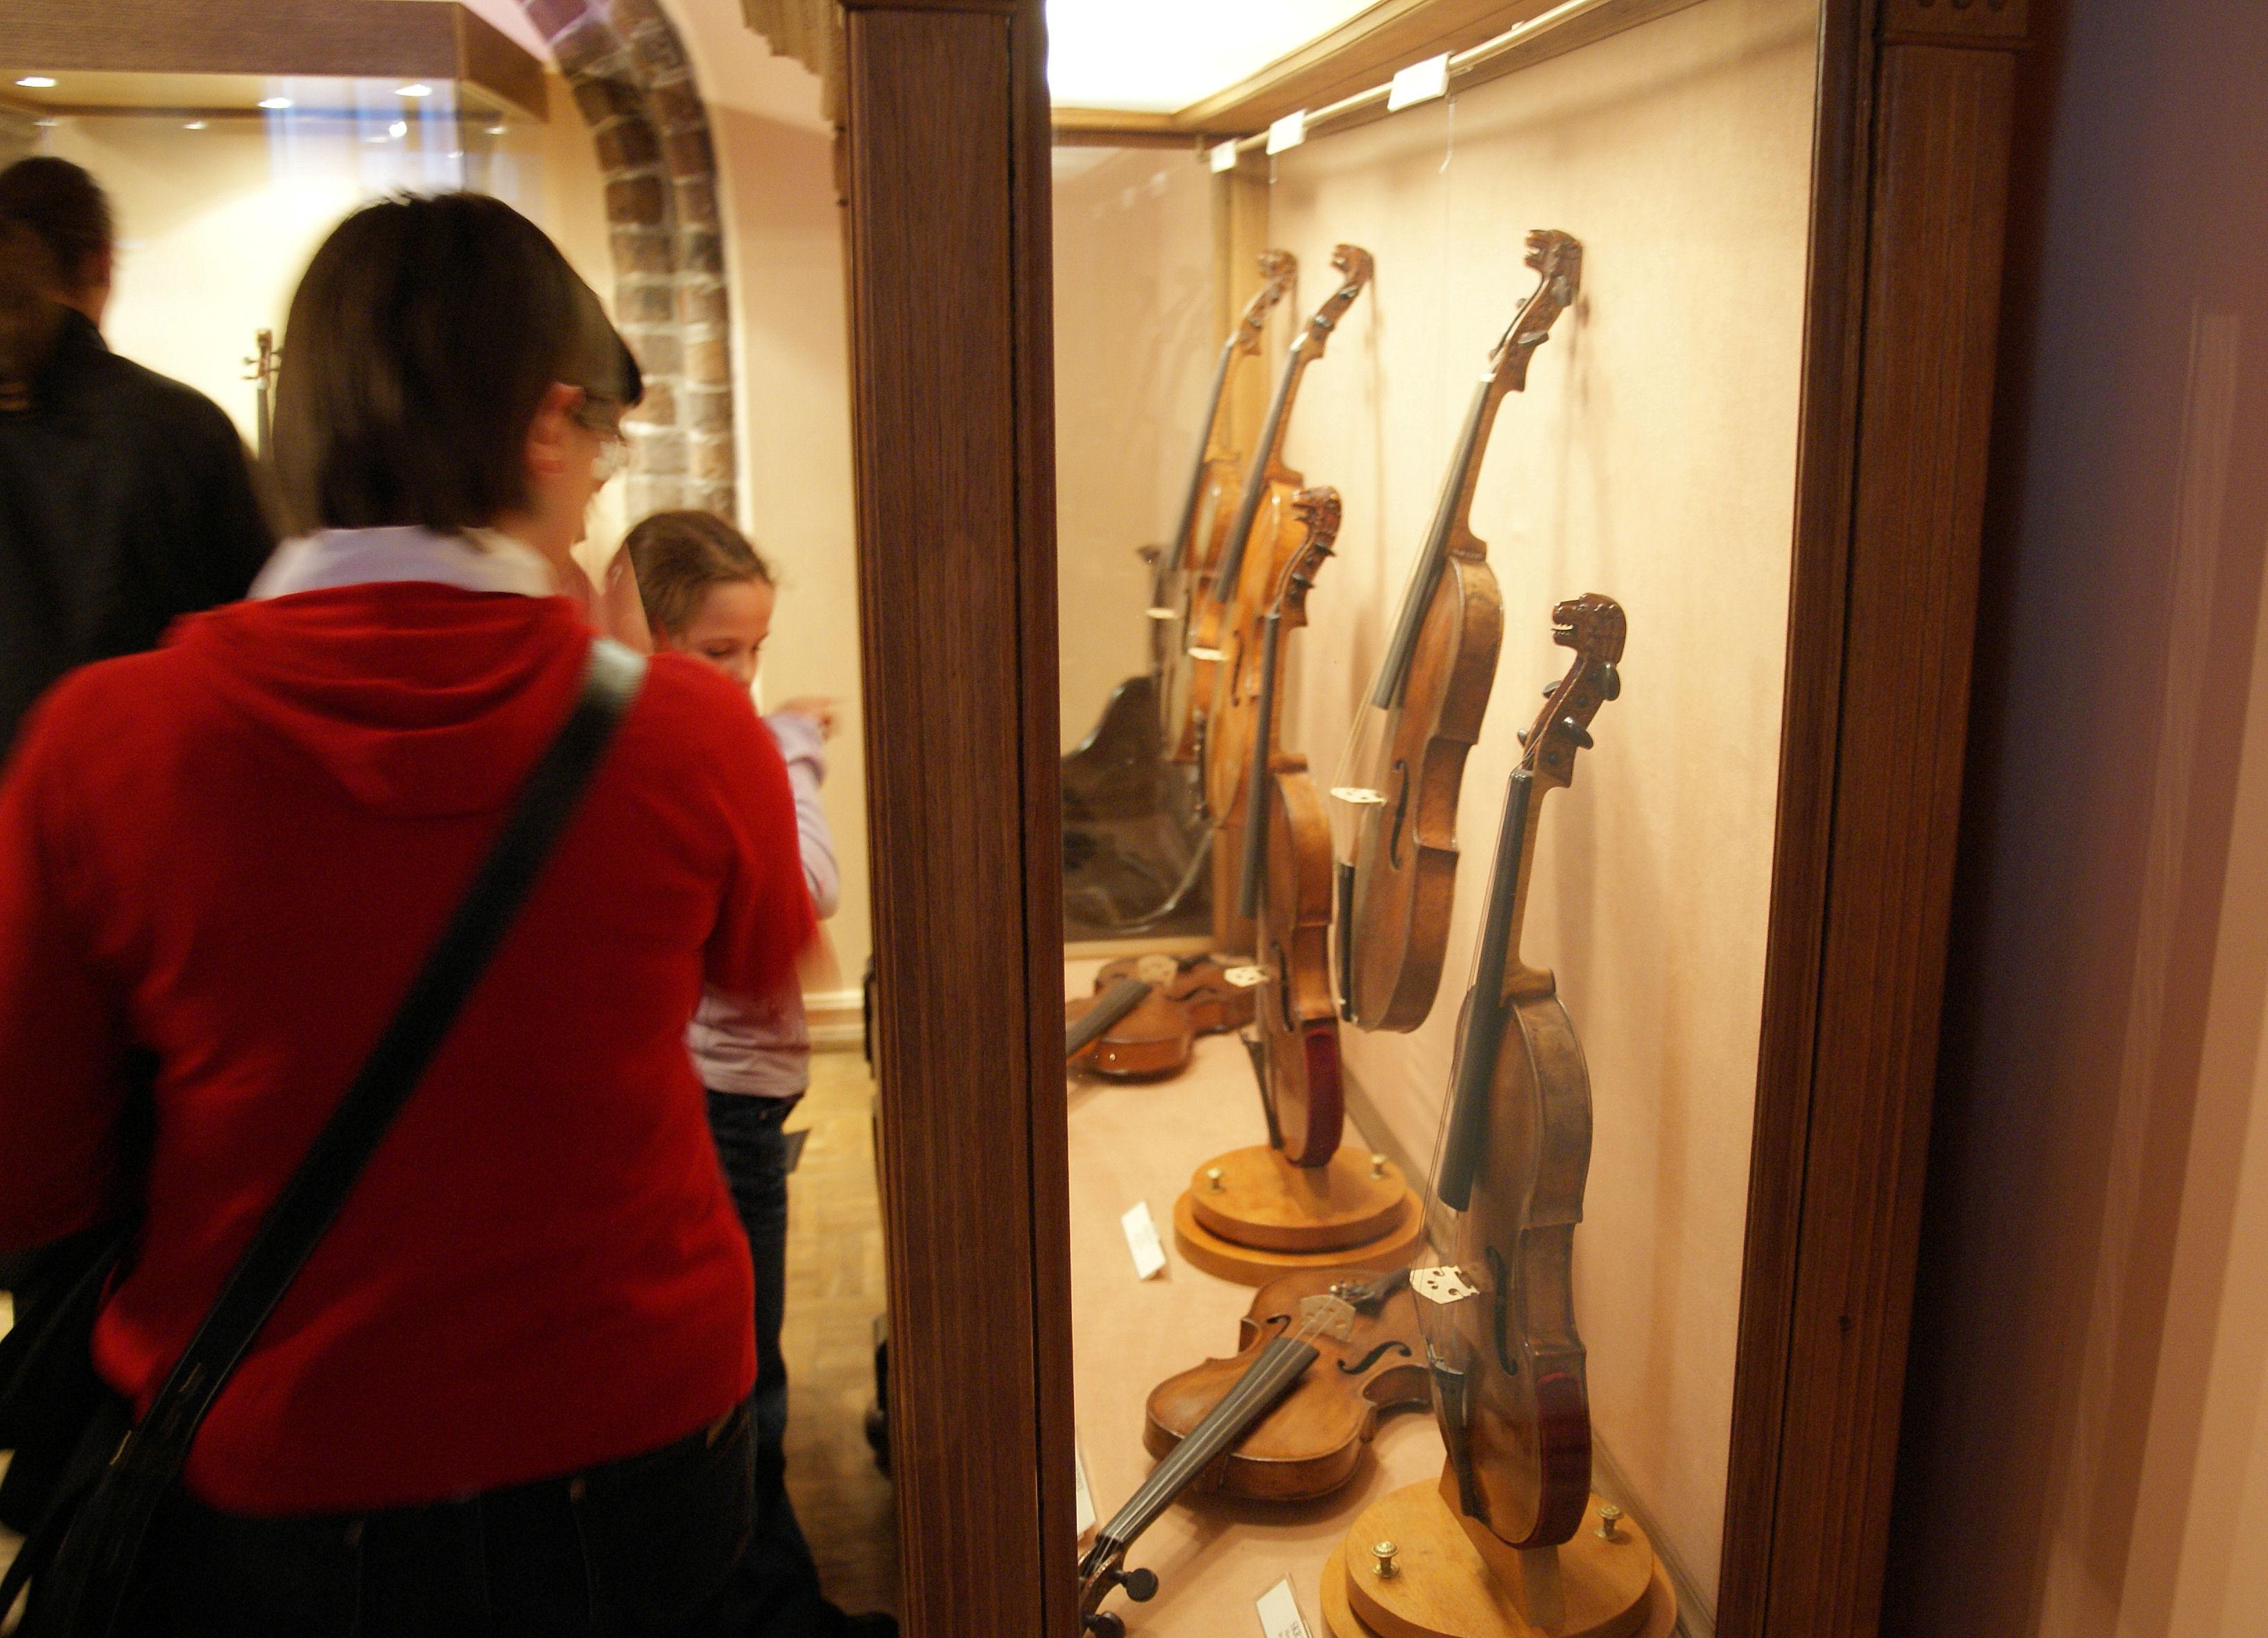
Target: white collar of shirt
(479, 560)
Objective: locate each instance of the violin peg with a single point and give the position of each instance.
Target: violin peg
(1611, 682)
(1576, 732)
(1521, 736)
(1141, 1585)
(1550, 688)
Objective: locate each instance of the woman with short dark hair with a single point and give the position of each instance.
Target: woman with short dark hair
(508, 1393)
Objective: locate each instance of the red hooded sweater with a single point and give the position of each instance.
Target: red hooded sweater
(234, 853)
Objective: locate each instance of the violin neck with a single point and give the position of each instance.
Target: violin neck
(1281, 1363)
(1500, 978)
(1265, 459)
(1452, 519)
(1213, 445)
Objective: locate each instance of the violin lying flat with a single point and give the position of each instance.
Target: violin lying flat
(1509, 1385)
(1200, 984)
(1131, 1031)
(1394, 809)
(1324, 1353)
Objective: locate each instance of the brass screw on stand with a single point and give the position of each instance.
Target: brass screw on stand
(1610, 1518)
(1213, 1185)
(1384, 1552)
(1377, 1165)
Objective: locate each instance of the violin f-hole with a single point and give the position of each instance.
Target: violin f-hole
(1356, 1367)
(1500, 1286)
(1401, 812)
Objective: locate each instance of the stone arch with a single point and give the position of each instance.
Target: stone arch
(634, 85)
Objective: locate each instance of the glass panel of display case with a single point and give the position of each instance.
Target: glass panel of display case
(1425, 504)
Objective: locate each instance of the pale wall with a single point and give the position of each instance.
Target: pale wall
(1137, 340)
(2086, 1434)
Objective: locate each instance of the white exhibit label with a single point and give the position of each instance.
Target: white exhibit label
(1142, 1240)
(1279, 1612)
(1288, 132)
(1420, 82)
(1224, 155)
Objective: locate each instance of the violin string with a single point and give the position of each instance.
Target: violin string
(1256, 1382)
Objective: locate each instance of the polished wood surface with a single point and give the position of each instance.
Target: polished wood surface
(1909, 212)
(1257, 1198)
(1402, 1242)
(1296, 1015)
(946, 163)
(1444, 1587)
(1143, 1038)
(1309, 1442)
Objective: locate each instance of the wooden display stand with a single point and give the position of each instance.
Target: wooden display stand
(1413, 1568)
(1250, 1215)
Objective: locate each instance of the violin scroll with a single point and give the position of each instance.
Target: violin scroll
(1355, 266)
(1557, 259)
(1278, 269)
(1594, 626)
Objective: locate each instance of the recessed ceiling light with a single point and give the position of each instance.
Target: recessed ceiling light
(36, 81)
(273, 104)
(419, 89)
(495, 130)
(398, 129)
(44, 124)
(194, 125)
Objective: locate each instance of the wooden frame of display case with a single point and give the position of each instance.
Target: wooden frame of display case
(947, 178)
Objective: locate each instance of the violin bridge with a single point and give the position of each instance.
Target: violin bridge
(1246, 977)
(1444, 1285)
(1324, 1315)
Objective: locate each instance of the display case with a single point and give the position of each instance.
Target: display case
(1655, 338)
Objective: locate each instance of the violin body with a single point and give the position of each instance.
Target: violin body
(1152, 1041)
(1198, 983)
(1296, 1013)
(1526, 1415)
(1309, 1442)
(1405, 865)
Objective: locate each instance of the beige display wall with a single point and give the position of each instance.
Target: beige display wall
(1651, 458)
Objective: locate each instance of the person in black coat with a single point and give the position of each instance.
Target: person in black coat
(125, 497)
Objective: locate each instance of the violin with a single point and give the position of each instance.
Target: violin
(1200, 984)
(1305, 1443)
(1285, 887)
(1507, 1363)
(1129, 1032)
(1183, 566)
(1323, 1354)
(1394, 809)
(1260, 538)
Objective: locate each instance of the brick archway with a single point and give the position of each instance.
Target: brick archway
(634, 85)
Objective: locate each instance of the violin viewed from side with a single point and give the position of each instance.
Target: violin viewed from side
(1394, 804)
(1509, 1384)
(1324, 1354)
(1131, 1031)
(1200, 984)
(1261, 539)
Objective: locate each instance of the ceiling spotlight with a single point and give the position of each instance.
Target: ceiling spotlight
(398, 129)
(46, 124)
(194, 125)
(421, 89)
(495, 130)
(456, 153)
(274, 104)
(36, 81)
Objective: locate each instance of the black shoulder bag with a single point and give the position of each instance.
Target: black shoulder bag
(79, 1561)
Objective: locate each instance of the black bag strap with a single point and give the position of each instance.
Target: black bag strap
(111, 1526)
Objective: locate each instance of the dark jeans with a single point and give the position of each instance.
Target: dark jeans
(648, 1546)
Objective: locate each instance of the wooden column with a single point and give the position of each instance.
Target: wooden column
(947, 181)
(1915, 98)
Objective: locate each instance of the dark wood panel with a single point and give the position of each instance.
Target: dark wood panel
(1836, 1199)
(1825, 459)
(956, 553)
(310, 37)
